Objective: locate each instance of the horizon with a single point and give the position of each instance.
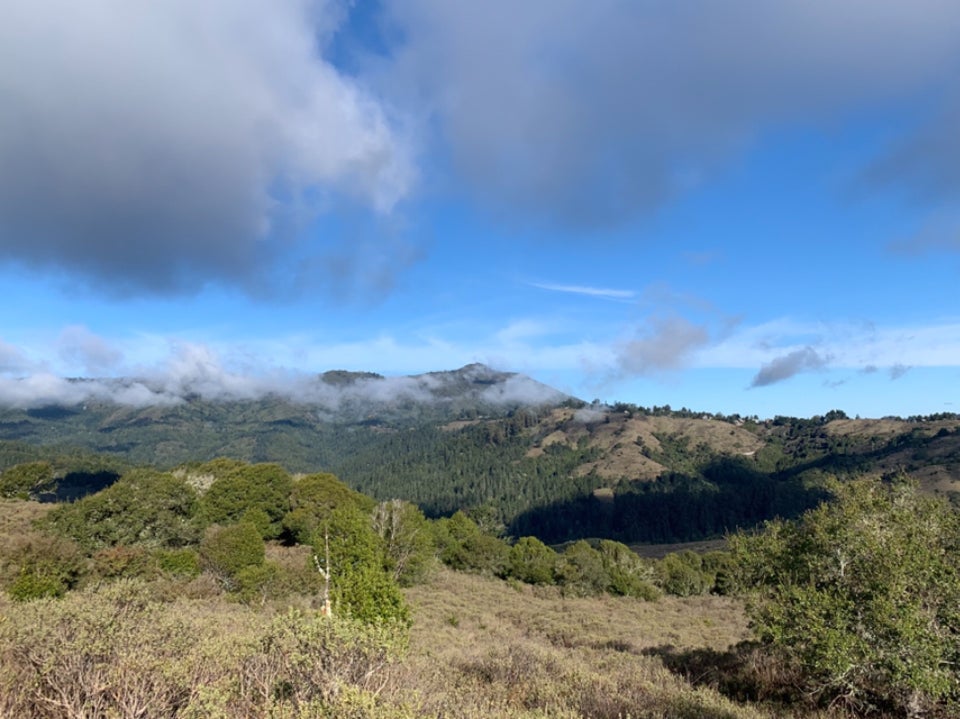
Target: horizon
(747, 210)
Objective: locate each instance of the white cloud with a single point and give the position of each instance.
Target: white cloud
(601, 292)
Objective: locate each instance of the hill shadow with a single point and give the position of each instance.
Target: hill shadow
(729, 494)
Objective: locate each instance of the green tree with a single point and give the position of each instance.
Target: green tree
(240, 488)
(226, 551)
(144, 507)
(407, 540)
(361, 585)
(532, 561)
(864, 594)
(19, 480)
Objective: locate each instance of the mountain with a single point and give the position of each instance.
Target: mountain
(539, 461)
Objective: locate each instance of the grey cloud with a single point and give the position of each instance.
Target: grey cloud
(926, 163)
(788, 365)
(78, 345)
(161, 146)
(667, 344)
(590, 114)
(898, 370)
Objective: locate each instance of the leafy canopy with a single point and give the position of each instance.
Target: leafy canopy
(864, 593)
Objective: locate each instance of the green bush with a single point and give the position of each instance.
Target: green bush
(19, 480)
(532, 561)
(682, 574)
(581, 570)
(630, 575)
(262, 489)
(179, 562)
(226, 550)
(144, 507)
(361, 585)
(863, 595)
(38, 565)
(465, 547)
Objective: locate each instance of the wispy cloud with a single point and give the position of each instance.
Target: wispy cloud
(601, 292)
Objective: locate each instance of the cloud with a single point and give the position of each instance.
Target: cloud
(601, 292)
(592, 115)
(926, 163)
(898, 371)
(12, 359)
(666, 345)
(788, 365)
(159, 147)
(78, 345)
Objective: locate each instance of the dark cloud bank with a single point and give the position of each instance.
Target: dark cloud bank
(159, 147)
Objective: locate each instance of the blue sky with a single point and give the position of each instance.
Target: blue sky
(744, 207)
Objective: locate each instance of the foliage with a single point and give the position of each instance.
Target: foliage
(682, 574)
(260, 489)
(115, 653)
(630, 576)
(35, 565)
(19, 480)
(864, 594)
(361, 585)
(144, 507)
(464, 546)
(532, 561)
(227, 550)
(179, 562)
(312, 498)
(407, 539)
(581, 570)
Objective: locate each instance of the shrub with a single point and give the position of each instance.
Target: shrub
(226, 550)
(262, 489)
(361, 586)
(630, 575)
(581, 570)
(682, 574)
(863, 594)
(532, 561)
(144, 507)
(179, 562)
(19, 480)
(37, 565)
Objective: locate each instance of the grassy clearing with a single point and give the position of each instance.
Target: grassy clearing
(484, 648)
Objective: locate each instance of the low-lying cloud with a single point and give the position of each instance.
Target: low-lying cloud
(196, 371)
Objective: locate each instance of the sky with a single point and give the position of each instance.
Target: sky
(740, 207)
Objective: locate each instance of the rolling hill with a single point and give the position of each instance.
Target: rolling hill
(537, 460)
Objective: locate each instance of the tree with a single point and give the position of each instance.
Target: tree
(227, 550)
(240, 488)
(407, 539)
(361, 586)
(20, 480)
(144, 507)
(532, 561)
(863, 594)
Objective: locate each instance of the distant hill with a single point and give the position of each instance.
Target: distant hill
(540, 461)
